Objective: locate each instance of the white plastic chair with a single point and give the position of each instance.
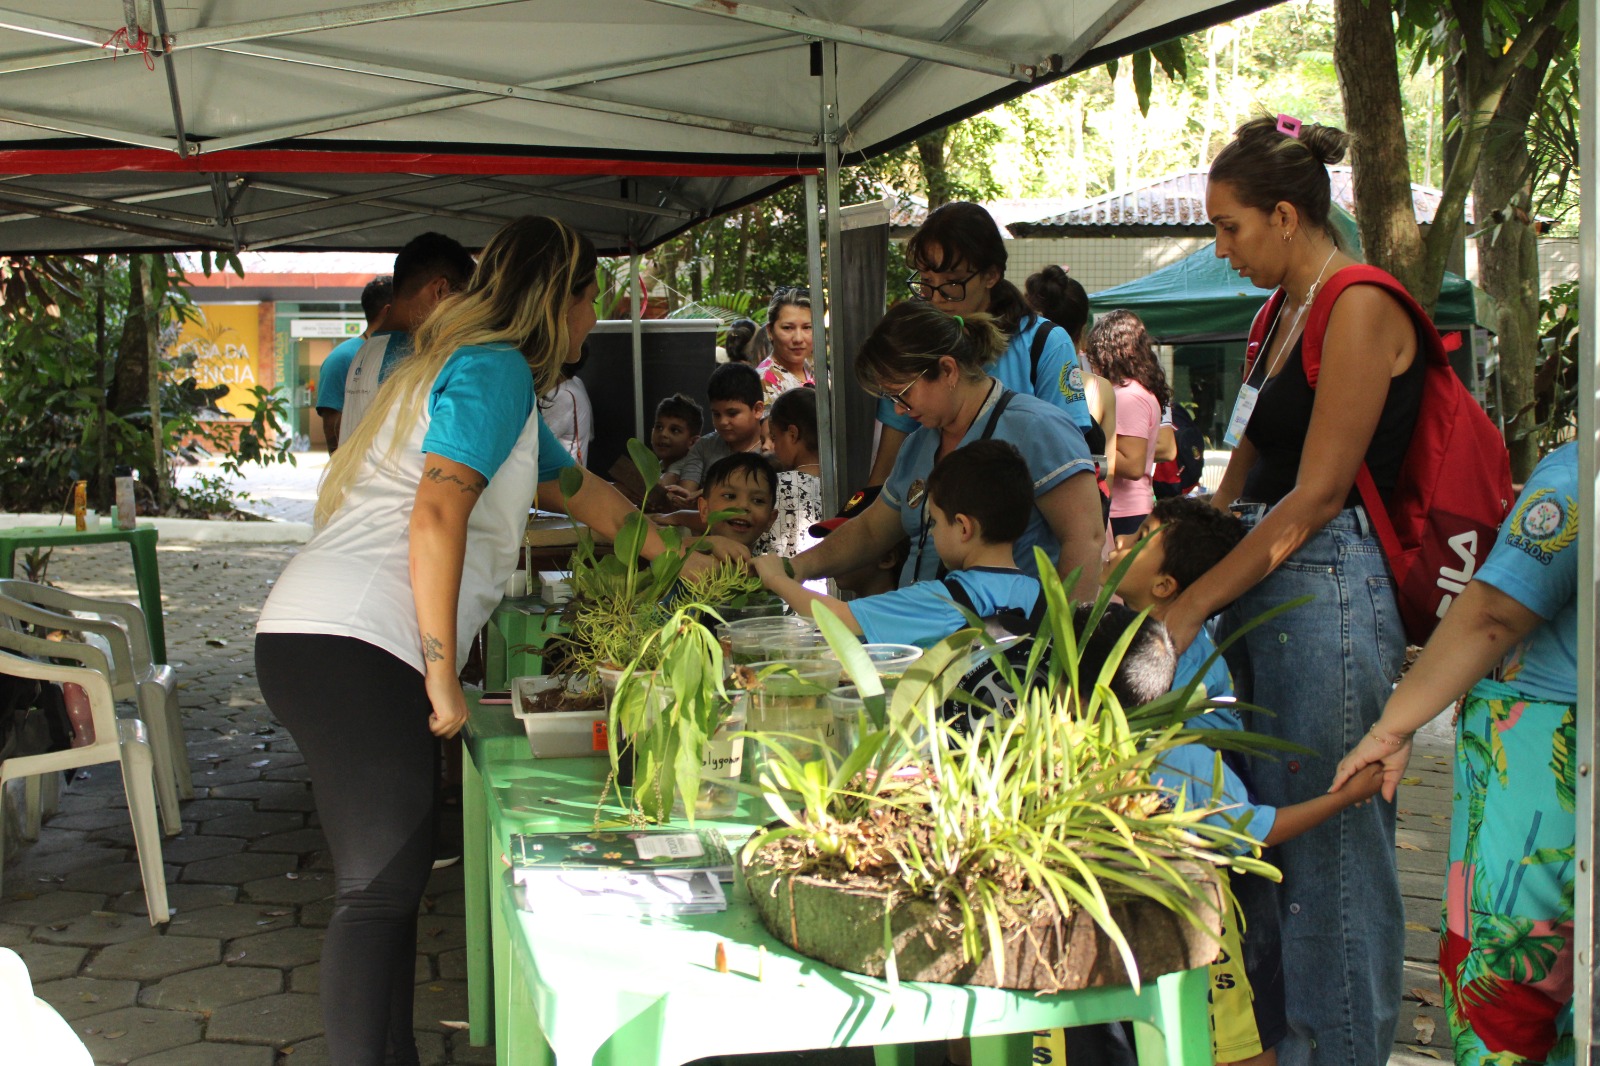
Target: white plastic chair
(93, 657)
(153, 686)
(115, 740)
(31, 1031)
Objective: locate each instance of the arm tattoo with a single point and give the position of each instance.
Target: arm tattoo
(432, 648)
(438, 476)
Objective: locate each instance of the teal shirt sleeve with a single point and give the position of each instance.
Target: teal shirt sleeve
(335, 368)
(553, 455)
(478, 407)
(921, 614)
(1189, 773)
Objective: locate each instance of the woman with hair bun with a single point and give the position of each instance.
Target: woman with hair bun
(935, 367)
(1325, 669)
(958, 263)
(1119, 349)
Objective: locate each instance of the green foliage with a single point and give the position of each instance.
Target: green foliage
(1051, 808)
(1555, 383)
(56, 384)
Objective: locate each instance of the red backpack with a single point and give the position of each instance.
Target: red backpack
(1455, 484)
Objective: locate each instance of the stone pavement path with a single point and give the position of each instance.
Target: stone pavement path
(232, 980)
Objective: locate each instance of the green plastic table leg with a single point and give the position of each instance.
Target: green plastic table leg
(7, 557)
(894, 1055)
(1180, 1032)
(521, 1039)
(475, 871)
(504, 970)
(147, 574)
(1009, 1049)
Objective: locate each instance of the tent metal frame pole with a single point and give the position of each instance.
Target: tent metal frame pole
(176, 237)
(172, 80)
(972, 59)
(636, 309)
(1586, 978)
(474, 91)
(610, 202)
(90, 203)
(831, 401)
(331, 200)
(39, 121)
(121, 201)
(403, 205)
(823, 371)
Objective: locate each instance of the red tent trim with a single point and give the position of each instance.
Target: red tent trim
(99, 161)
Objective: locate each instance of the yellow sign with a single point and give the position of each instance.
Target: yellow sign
(219, 350)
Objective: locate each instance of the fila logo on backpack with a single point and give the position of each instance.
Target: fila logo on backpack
(1454, 488)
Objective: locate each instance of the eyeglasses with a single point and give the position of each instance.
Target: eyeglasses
(898, 399)
(949, 290)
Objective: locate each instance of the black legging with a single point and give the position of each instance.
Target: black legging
(360, 718)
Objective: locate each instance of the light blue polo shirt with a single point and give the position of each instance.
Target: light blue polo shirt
(924, 613)
(478, 406)
(1049, 441)
(1535, 562)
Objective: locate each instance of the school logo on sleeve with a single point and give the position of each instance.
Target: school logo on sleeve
(1542, 527)
(1071, 382)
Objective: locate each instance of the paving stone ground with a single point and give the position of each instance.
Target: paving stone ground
(232, 980)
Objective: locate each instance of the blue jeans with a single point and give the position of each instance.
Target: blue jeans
(1324, 670)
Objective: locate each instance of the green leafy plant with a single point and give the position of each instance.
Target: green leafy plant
(1048, 811)
(668, 714)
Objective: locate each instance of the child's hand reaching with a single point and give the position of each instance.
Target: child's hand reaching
(770, 568)
(1361, 785)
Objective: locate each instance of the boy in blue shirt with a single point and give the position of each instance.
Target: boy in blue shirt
(979, 500)
(1180, 540)
(1246, 1005)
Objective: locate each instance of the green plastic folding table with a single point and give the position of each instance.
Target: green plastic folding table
(141, 540)
(578, 990)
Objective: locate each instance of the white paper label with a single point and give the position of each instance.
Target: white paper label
(669, 846)
(1242, 409)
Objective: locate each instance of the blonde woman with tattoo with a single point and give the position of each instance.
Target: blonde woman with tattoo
(359, 646)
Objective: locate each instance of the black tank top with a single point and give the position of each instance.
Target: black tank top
(1283, 415)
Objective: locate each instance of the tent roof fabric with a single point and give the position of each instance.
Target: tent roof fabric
(336, 125)
(1179, 200)
(1200, 298)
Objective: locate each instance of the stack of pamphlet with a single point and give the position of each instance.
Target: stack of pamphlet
(625, 871)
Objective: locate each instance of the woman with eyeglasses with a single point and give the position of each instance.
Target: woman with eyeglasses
(958, 265)
(789, 336)
(936, 369)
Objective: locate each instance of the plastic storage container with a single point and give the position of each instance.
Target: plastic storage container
(793, 702)
(557, 734)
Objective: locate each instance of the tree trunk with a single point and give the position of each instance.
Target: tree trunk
(742, 260)
(102, 370)
(1450, 110)
(128, 385)
(1508, 252)
(152, 321)
(1369, 80)
(935, 171)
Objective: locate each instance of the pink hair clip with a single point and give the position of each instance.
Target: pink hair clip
(1289, 125)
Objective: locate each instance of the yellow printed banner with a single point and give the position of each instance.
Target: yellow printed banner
(219, 352)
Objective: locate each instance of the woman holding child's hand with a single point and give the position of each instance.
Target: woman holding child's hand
(933, 366)
(1512, 829)
(1322, 670)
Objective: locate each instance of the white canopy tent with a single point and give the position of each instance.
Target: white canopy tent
(223, 124)
(322, 124)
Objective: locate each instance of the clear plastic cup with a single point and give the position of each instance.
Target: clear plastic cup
(892, 660)
(750, 640)
(792, 704)
(720, 768)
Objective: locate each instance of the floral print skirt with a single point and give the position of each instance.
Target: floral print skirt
(1505, 948)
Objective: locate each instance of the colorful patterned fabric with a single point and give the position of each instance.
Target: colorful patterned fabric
(775, 380)
(1505, 950)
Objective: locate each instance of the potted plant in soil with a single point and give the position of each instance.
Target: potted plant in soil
(635, 629)
(1034, 853)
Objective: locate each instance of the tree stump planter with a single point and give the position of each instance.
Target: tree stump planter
(842, 925)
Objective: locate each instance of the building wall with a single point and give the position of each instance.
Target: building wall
(1098, 262)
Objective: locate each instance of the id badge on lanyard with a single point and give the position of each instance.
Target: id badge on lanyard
(1242, 409)
(1246, 403)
